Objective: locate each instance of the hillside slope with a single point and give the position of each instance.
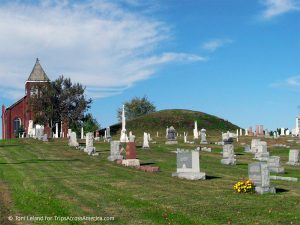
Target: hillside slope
(181, 119)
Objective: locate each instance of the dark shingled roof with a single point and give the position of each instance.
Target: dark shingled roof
(37, 73)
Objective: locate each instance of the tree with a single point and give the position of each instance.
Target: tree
(136, 107)
(57, 101)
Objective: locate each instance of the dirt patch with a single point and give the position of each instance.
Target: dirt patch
(5, 204)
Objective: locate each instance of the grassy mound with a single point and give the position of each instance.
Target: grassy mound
(182, 120)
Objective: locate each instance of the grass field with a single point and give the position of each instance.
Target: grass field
(51, 179)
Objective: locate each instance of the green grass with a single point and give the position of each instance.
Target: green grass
(51, 179)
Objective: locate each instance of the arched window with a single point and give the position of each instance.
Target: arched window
(17, 125)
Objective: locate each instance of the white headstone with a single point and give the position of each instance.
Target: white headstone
(115, 151)
(124, 137)
(73, 140)
(228, 155)
(89, 144)
(188, 165)
(196, 134)
(294, 157)
(262, 153)
(274, 164)
(259, 174)
(146, 141)
(203, 136)
(82, 133)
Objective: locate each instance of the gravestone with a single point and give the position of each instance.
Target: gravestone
(228, 155)
(203, 136)
(254, 144)
(195, 131)
(131, 155)
(89, 144)
(247, 148)
(274, 165)
(45, 138)
(259, 174)
(171, 136)
(146, 141)
(115, 151)
(131, 137)
(73, 140)
(69, 133)
(294, 157)
(188, 165)
(262, 153)
(108, 136)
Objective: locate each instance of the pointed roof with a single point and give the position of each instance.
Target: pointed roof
(37, 73)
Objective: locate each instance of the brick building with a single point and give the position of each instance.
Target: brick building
(18, 114)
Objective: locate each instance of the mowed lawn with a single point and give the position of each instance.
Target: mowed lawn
(51, 179)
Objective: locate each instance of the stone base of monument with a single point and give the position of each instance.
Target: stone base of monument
(171, 142)
(203, 142)
(131, 162)
(114, 158)
(150, 169)
(293, 163)
(262, 156)
(276, 169)
(228, 161)
(263, 190)
(190, 175)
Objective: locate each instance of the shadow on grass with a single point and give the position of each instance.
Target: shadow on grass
(281, 190)
(239, 154)
(146, 164)
(211, 177)
(8, 145)
(43, 160)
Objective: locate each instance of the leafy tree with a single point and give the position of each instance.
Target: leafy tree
(90, 124)
(136, 107)
(57, 101)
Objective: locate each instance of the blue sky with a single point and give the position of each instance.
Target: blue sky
(239, 60)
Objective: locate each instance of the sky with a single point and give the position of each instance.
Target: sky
(238, 60)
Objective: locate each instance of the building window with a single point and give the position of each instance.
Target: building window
(17, 125)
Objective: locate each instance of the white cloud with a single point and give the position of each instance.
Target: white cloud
(279, 7)
(290, 83)
(98, 43)
(214, 44)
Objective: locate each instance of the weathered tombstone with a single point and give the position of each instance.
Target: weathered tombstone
(259, 174)
(146, 141)
(56, 135)
(69, 133)
(254, 144)
(82, 133)
(247, 148)
(262, 153)
(203, 136)
(115, 153)
(73, 140)
(89, 144)
(131, 155)
(30, 128)
(39, 132)
(188, 165)
(228, 155)
(131, 137)
(294, 157)
(45, 138)
(171, 136)
(274, 164)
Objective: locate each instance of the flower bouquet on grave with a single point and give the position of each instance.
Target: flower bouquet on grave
(244, 186)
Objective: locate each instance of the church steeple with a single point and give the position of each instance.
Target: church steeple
(37, 73)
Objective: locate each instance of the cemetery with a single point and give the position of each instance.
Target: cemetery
(144, 172)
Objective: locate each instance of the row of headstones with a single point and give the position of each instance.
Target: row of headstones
(188, 167)
(89, 143)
